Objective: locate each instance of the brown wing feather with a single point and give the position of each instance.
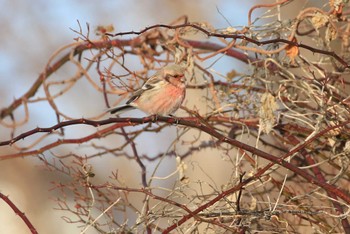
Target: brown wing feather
(149, 84)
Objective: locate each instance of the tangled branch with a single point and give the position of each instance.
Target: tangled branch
(282, 122)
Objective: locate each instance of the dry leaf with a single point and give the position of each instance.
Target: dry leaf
(347, 147)
(331, 33)
(319, 20)
(101, 30)
(230, 75)
(229, 30)
(292, 51)
(182, 167)
(267, 118)
(337, 6)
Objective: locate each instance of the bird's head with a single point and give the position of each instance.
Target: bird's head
(174, 72)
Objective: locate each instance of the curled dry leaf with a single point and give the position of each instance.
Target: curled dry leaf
(347, 147)
(230, 75)
(267, 117)
(292, 51)
(230, 30)
(319, 20)
(337, 6)
(103, 29)
(182, 167)
(331, 33)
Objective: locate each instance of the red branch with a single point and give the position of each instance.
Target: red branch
(138, 41)
(236, 36)
(19, 213)
(205, 128)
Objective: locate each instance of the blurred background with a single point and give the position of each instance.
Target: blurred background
(31, 31)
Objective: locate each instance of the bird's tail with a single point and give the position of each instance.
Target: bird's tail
(120, 109)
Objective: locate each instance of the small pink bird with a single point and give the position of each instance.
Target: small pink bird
(162, 94)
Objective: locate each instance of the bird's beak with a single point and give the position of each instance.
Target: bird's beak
(183, 78)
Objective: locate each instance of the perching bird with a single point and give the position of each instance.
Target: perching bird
(162, 94)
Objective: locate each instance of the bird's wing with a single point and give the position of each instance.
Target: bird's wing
(149, 84)
(152, 81)
(135, 96)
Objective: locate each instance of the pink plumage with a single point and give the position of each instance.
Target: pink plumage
(162, 94)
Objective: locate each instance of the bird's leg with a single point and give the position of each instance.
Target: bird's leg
(154, 118)
(176, 120)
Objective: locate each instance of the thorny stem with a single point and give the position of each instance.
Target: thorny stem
(19, 213)
(78, 50)
(211, 131)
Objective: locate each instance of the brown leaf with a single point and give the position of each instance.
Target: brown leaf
(292, 51)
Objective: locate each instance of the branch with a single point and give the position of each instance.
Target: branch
(235, 36)
(125, 121)
(102, 44)
(195, 123)
(19, 213)
(51, 69)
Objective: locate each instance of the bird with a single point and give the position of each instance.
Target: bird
(162, 94)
